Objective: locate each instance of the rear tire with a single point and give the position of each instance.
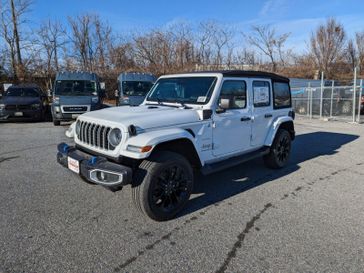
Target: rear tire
(162, 185)
(56, 123)
(279, 151)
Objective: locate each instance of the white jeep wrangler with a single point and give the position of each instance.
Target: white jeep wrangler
(205, 121)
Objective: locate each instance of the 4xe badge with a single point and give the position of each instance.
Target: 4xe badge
(206, 147)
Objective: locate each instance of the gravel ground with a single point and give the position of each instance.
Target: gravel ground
(307, 217)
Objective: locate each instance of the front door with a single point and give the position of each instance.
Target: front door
(232, 127)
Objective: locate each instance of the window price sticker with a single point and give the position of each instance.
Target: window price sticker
(261, 95)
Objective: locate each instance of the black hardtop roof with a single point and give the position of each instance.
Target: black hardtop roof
(76, 75)
(248, 73)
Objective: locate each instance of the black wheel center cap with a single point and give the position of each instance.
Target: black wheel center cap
(170, 186)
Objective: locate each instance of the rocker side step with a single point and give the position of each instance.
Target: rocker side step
(233, 161)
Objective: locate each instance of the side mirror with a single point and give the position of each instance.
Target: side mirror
(206, 114)
(223, 105)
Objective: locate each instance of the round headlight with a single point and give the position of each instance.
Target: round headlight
(115, 137)
(78, 127)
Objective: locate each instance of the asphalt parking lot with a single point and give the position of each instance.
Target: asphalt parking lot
(307, 217)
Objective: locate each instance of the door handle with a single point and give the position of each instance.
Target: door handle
(268, 115)
(245, 118)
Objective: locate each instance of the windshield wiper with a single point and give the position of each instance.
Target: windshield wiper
(158, 100)
(183, 104)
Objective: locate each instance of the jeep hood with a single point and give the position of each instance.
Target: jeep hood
(144, 116)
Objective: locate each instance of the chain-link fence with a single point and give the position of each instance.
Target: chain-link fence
(329, 99)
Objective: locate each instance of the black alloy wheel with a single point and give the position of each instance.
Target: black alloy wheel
(280, 150)
(162, 185)
(170, 189)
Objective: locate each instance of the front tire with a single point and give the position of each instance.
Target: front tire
(163, 185)
(56, 122)
(279, 151)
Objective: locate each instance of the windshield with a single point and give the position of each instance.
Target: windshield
(21, 92)
(136, 88)
(194, 90)
(76, 88)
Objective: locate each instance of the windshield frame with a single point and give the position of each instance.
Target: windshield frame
(208, 95)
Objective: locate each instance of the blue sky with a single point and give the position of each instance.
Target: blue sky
(299, 17)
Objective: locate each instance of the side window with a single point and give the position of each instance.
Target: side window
(235, 93)
(281, 95)
(261, 93)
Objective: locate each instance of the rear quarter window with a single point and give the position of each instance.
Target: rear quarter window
(281, 95)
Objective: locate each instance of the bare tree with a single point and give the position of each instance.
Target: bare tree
(51, 38)
(183, 45)
(265, 39)
(81, 38)
(92, 40)
(222, 42)
(2, 63)
(103, 43)
(327, 45)
(359, 41)
(12, 17)
(204, 41)
(147, 52)
(247, 57)
(214, 44)
(6, 33)
(280, 43)
(122, 57)
(351, 54)
(165, 50)
(18, 9)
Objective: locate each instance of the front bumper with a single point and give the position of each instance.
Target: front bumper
(94, 169)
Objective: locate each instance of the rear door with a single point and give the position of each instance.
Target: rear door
(262, 110)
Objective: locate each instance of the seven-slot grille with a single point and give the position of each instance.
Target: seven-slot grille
(95, 135)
